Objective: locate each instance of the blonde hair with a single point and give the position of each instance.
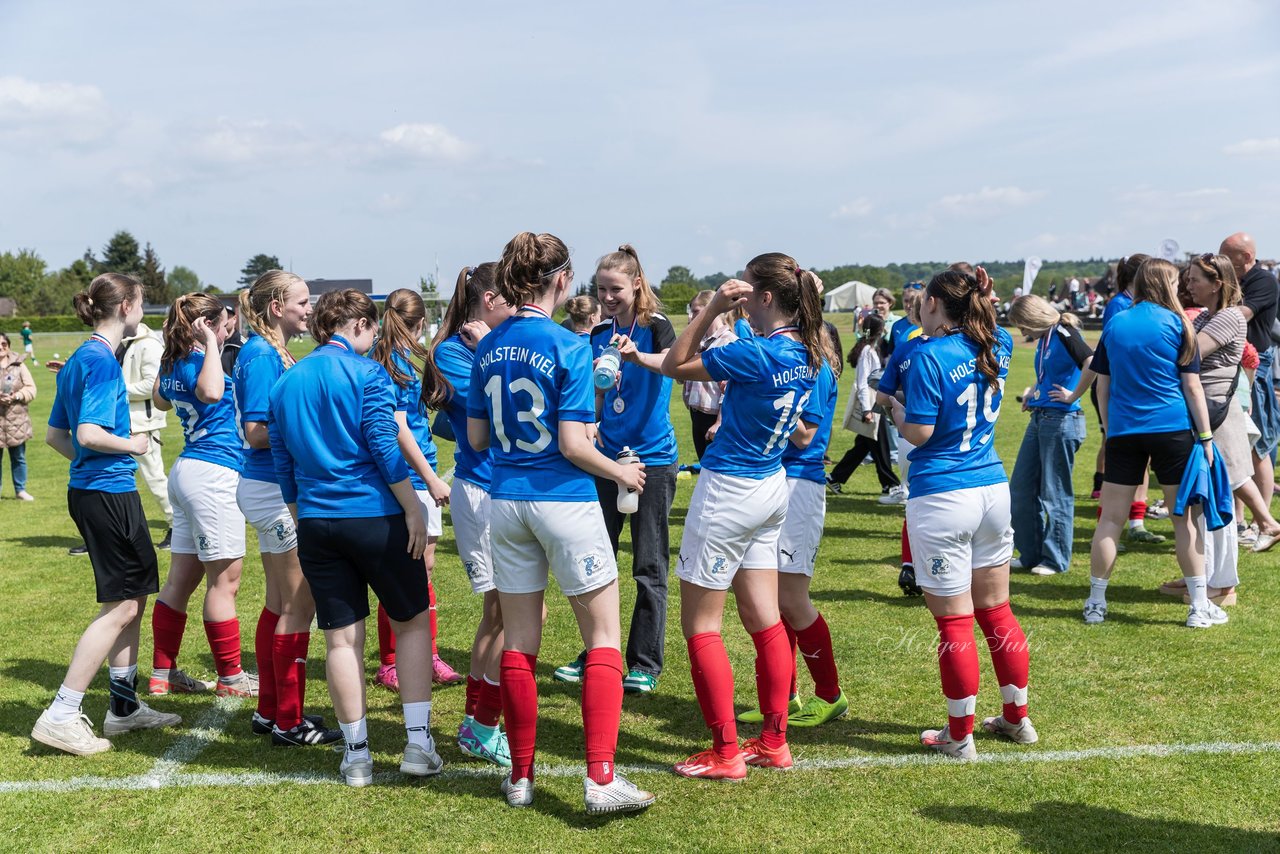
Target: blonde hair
(255, 303)
(1034, 312)
(627, 262)
(701, 299)
(580, 309)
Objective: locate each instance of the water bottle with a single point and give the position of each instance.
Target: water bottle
(629, 501)
(607, 366)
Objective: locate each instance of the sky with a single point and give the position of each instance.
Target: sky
(377, 140)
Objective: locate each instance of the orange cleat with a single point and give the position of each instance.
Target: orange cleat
(709, 765)
(759, 756)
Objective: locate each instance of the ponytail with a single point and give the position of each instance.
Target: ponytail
(529, 265)
(255, 303)
(796, 293)
(104, 296)
(968, 305)
(627, 262)
(179, 334)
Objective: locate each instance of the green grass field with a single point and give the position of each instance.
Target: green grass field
(1154, 737)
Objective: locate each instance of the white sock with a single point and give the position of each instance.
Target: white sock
(124, 674)
(356, 735)
(417, 723)
(1135, 523)
(1098, 589)
(1197, 587)
(160, 673)
(66, 705)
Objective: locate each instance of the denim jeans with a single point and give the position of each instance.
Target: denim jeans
(18, 466)
(1040, 492)
(1266, 414)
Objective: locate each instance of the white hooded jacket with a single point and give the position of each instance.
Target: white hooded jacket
(141, 364)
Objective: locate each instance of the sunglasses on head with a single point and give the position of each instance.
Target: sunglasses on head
(913, 286)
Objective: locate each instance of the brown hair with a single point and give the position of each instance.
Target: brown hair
(470, 289)
(179, 336)
(403, 310)
(255, 302)
(105, 294)
(968, 305)
(528, 266)
(872, 331)
(580, 308)
(337, 308)
(627, 262)
(1219, 269)
(886, 295)
(1157, 282)
(1127, 269)
(961, 267)
(795, 292)
(832, 348)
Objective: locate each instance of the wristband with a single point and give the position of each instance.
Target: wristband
(1205, 437)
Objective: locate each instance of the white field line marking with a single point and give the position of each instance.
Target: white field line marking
(203, 732)
(268, 778)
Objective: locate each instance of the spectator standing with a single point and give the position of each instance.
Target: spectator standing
(17, 389)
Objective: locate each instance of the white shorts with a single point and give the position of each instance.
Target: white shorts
(431, 513)
(732, 523)
(801, 532)
(470, 511)
(567, 537)
(206, 520)
(263, 506)
(953, 533)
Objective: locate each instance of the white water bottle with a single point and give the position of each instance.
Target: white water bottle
(629, 501)
(606, 372)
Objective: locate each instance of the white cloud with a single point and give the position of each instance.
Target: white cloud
(989, 201)
(856, 209)
(1204, 193)
(1267, 147)
(228, 142)
(51, 113)
(424, 141)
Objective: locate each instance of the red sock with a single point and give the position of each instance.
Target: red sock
(386, 638)
(773, 672)
(1010, 655)
(791, 641)
(224, 641)
(815, 643)
(473, 695)
(488, 704)
(264, 652)
(431, 600)
(1137, 511)
(167, 626)
(601, 710)
(520, 701)
(290, 658)
(713, 686)
(958, 663)
(906, 546)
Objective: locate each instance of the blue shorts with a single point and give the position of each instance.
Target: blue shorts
(1266, 413)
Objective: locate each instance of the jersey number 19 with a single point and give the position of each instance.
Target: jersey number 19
(969, 400)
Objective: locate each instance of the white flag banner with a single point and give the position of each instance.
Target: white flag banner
(1169, 250)
(1030, 269)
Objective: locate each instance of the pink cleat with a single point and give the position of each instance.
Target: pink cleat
(443, 674)
(386, 677)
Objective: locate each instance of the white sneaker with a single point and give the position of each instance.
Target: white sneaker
(519, 793)
(618, 795)
(421, 761)
(1020, 733)
(243, 684)
(73, 736)
(895, 495)
(1016, 563)
(143, 717)
(1094, 612)
(941, 741)
(1043, 570)
(356, 772)
(1205, 616)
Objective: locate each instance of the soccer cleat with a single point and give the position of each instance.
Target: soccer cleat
(73, 736)
(421, 761)
(817, 711)
(754, 716)
(1020, 733)
(387, 677)
(243, 684)
(618, 795)
(166, 541)
(571, 672)
(1043, 570)
(639, 682)
(1095, 495)
(1095, 612)
(263, 726)
(304, 734)
(755, 754)
(443, 674)
(1141, 535)
(143, 717)
(897, 495)
(356, 772)
(493, 749)
(709, 765)
(941, 741)
(518, 793)
(1158, 510)
(1205, 616)
(178, 682)
(907, 581)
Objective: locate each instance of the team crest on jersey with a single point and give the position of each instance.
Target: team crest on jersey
(938, 567)
(473, 570)
(719, 564)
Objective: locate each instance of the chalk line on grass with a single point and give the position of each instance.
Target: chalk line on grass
(206, 730)
(170, 777)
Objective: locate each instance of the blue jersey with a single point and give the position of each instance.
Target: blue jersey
(1145, 396)
(770, 385)
(1118, 303)
(899, 362)
(742, 328)
(806, 463)
(529, 375)
(409, 401)
(899, 331)
(945, 389)
(91, 390)
(1060, 353)
(644, 397)
(455, 360)
(257, 368)
(208, 429)
(333, 436)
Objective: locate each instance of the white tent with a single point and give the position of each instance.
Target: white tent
(850, 296)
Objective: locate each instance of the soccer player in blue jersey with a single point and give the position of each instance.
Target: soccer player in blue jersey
(208, 527)
(89, 425)
(1150, 397)
(740, 502)
(958, 512)
(475, 310)
(530, 402)
(635, 413)
(404, 316)
(360, 523)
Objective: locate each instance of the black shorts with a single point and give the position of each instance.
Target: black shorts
(1166, 453)
(114, 529)
(342, 558)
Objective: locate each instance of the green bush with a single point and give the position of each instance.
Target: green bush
(48, 323)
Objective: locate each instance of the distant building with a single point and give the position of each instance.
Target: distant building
(323, 286)
(8, 307)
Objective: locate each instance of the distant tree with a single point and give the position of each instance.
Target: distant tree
(153, 281)
(121, 255)
(679, 276)
(183, 280)
(675, 296)
(22, 277)
(256, 266)
(60, 287)
(713, 281)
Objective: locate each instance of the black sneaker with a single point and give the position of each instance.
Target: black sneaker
(907, 581)
(304, 734)
(81, 549)
(264, 726)
(164, 544)
(834, 486)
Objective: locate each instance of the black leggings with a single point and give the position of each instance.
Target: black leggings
(701, 423)
(878, 448)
